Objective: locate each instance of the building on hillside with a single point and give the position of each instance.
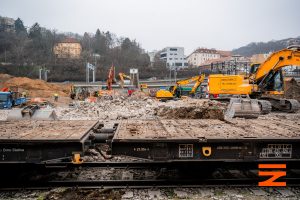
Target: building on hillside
(174, 57)
(224, 54)
(201, 55)
(68, 48)
(7, 24)
(235, 64)
(259, 58)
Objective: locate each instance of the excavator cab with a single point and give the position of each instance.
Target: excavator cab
(254, 67)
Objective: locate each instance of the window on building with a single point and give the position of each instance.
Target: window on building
(176, 58)
(173, 49)
(175, 54)
(170, 58)
(178, 64)
(194, 58)
(171, 54)
(163, 55)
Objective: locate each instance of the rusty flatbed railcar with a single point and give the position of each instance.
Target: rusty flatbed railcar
(209, 140)
(39, 141)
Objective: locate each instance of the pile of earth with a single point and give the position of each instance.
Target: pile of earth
(34, 87)
(192, 109)
(292, 89)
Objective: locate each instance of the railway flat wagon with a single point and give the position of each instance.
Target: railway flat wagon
(208, 140)
(41, 141)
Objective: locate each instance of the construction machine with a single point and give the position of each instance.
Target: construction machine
(263, 88)
(122, 77)
(175, 91)
(110, 77)
(10, 97)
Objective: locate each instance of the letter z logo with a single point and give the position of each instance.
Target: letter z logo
(274, 175)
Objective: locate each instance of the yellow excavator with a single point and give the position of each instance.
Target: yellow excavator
(264, 86)
(122, 77)
(175, 90)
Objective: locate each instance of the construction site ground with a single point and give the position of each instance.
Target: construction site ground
(186, 118)
(150, 118)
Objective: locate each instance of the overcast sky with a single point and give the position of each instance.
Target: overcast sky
(155, 24)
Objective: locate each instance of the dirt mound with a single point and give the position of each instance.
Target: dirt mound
(37, 88)
(4, 78)
(192, 109)
(292, 89)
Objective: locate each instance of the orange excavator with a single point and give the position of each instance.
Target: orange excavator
(122, 77)
(110, 77)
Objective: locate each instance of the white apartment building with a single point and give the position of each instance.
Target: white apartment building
(202, 55)
(174, 57)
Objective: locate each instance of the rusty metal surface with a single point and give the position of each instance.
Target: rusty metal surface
(44, 130)
(208, 128)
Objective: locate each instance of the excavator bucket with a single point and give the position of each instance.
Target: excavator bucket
(243, 108)
(40, 114)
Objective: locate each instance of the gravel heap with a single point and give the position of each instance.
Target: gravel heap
(104, 109)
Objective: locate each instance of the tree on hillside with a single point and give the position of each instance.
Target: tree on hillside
(19, 27)
(35, 31)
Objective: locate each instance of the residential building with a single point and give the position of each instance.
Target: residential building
(259, 58)
(174, 57)
(202, 55)
(68, 48)
(7, 24)
(229, 65)
(224, 54)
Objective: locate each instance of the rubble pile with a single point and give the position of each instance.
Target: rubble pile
(105, 109)
(34, 87)
(192, 109)
(142, 108)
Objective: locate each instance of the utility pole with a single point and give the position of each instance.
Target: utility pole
(46, 74)
(89, 67)
(40, 73)
(5, 55)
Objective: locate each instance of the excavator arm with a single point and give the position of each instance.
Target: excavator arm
(197, 84)
(199, 79)
(275, 62)
(122, 76)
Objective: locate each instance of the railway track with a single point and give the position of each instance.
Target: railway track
(136, 184)
(166, 175)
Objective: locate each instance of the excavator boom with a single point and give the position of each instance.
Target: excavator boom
(122, 77)
(163, 94)
(275, 62)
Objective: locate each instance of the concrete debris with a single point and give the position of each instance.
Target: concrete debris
(145, 108)
(115, 109)
(128, 195)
